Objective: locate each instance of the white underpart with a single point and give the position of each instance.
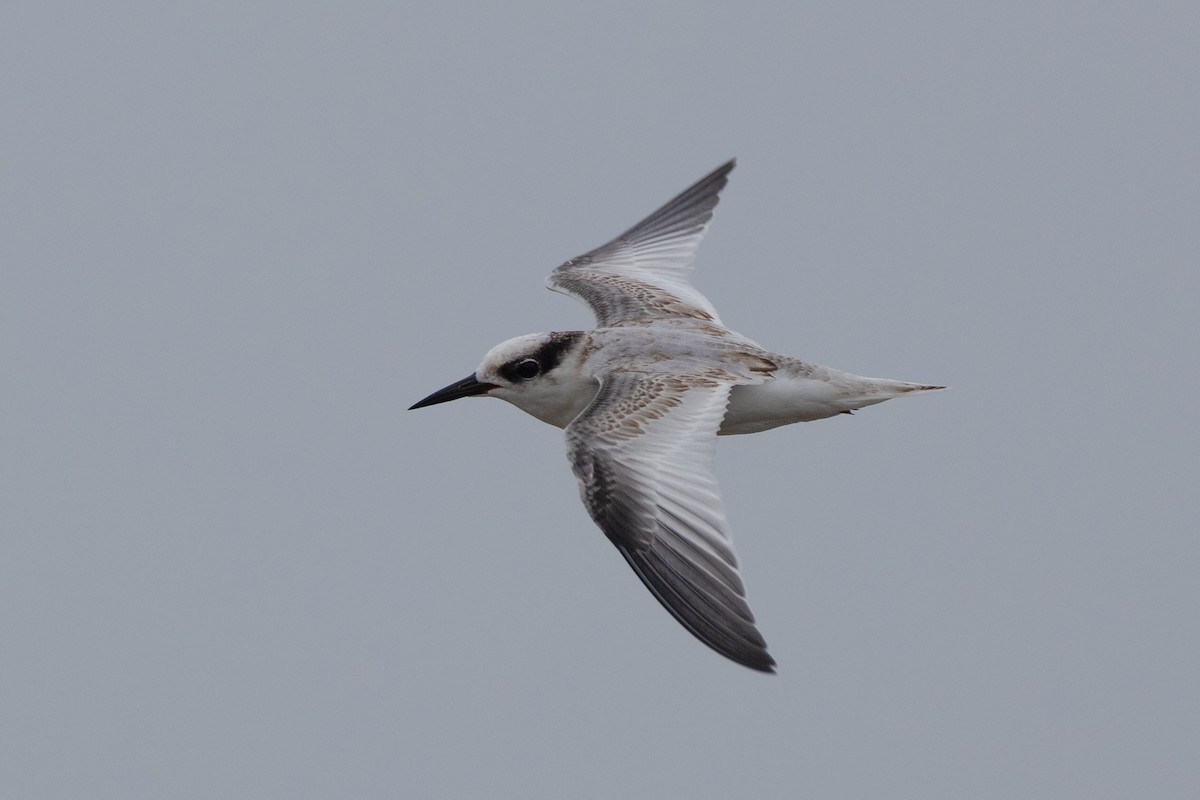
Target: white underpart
(794, 397)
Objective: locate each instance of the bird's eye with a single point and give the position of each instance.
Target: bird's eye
(528, 369)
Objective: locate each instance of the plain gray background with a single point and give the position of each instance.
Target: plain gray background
(239, 239)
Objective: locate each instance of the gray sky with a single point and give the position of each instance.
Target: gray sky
(239, 239)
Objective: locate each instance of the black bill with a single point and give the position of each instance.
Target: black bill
(467, 387)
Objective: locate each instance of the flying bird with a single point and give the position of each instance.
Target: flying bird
(642, 399)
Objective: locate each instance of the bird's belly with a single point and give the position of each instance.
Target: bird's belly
(763, 406)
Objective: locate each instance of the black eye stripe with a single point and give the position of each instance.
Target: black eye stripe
(549, 354)
(546, 357)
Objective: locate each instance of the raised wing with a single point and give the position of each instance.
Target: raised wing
(642, 275)
(643, 455)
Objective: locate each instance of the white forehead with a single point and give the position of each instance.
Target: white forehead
(505, 352)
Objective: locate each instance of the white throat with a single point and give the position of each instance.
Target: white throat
(555, 399)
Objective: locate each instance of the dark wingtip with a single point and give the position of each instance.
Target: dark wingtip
(767, 666)
(738, 641)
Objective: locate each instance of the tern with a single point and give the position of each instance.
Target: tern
(642, 399)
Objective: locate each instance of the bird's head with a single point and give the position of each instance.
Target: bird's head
(539, 373)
